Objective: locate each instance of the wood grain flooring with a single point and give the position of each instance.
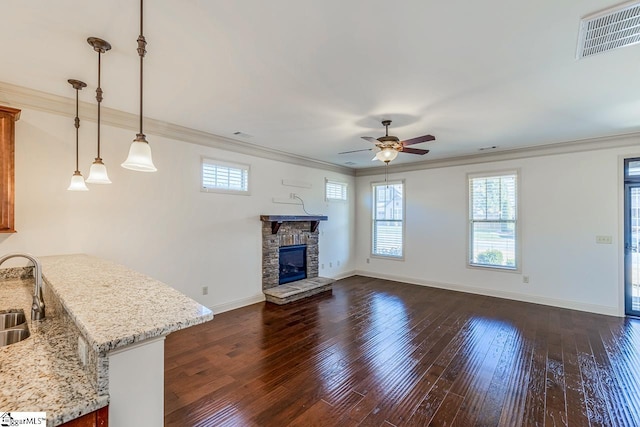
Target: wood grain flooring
(381, 353)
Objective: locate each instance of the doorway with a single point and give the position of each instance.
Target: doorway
(632, 236)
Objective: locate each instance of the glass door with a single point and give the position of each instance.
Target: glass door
(632, 236)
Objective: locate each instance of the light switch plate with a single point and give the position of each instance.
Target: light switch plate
(604, 240)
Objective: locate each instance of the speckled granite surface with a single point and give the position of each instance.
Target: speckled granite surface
(43, 372)
(109, 305)
(114, 306)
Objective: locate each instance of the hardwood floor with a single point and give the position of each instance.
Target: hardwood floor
(381, 353)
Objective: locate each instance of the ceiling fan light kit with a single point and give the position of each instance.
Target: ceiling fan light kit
(386, 155)
(389, 146)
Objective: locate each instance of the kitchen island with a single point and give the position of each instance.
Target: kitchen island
(101, 343)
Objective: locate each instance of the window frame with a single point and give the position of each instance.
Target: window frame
(335, 181)
(517, 222)
(224, 163)
(373, 218)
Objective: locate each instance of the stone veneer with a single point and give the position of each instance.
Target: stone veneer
(289, 233)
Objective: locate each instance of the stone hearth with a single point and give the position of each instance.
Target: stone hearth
(283, 230)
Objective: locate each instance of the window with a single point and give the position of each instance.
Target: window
(335, 190)
(388, 219)
(493, 214)
(224, 177)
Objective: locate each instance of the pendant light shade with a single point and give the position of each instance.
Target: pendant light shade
(139, 158)
(77, 180)
(98, 171)
(386, 155)
(77, 183)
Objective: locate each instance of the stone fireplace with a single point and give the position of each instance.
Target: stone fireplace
(282, 231)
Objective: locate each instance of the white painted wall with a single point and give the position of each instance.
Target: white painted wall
(161, 224)
(565, 201)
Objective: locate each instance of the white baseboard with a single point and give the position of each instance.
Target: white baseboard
(232, 305)
(344, 275)
(573, 305)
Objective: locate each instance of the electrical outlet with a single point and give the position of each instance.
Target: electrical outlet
(338, 263)
(205, 290)
(322, 266)
(525, 279)
(292, 195)
(368, 261)
(330, 265)
(604, 240)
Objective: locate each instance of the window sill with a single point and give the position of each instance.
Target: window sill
(494, 268)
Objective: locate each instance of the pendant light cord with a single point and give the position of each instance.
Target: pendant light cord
(99, 97)
(142, 44)
(77, 125)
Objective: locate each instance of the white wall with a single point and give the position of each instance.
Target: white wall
(565, 201)
(160, 223)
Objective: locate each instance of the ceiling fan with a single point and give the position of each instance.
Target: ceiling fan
(388, 146)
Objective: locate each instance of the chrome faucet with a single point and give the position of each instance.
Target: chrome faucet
(37, 306)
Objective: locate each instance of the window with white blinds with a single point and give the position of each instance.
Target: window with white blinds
(335, 190)
(388, 219)
(493, 216)
(219, 176)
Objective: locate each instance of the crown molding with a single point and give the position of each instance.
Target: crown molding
(22, 97)
(26, 98)
(590, 144)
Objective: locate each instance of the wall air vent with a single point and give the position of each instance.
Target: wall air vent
(610, 29)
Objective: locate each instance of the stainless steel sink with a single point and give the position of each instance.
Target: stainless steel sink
(13, 327)
(11, 320)
(12, 336)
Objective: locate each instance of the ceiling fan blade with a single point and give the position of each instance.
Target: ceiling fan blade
(370, 139)
(414, 151)
(356, 151)
(374, 159)
(418, 140)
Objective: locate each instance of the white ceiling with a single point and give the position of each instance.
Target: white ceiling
(312, 77)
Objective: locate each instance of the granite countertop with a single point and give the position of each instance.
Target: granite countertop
(109, 305)
(43, 372)
(114, 306)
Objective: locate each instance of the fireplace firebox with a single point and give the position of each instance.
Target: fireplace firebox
(292, 263)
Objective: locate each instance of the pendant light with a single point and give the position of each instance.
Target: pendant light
(139, 158)
(98, 171)
(77, 180)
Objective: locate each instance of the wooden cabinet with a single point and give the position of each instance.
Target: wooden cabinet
(8, 117)
(99, 418)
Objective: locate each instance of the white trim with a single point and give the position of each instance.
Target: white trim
(404, 218)
(534, 299)
(344, 275)
(518, 227)
(239, 303)
(561, 147)
(621, 233)
(225, 164)
(338, 182)
(22, 97)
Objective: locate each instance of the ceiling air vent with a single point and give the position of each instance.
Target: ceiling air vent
(242, 135)
(612, 28)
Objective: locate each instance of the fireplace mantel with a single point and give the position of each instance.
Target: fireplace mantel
(277, 220)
